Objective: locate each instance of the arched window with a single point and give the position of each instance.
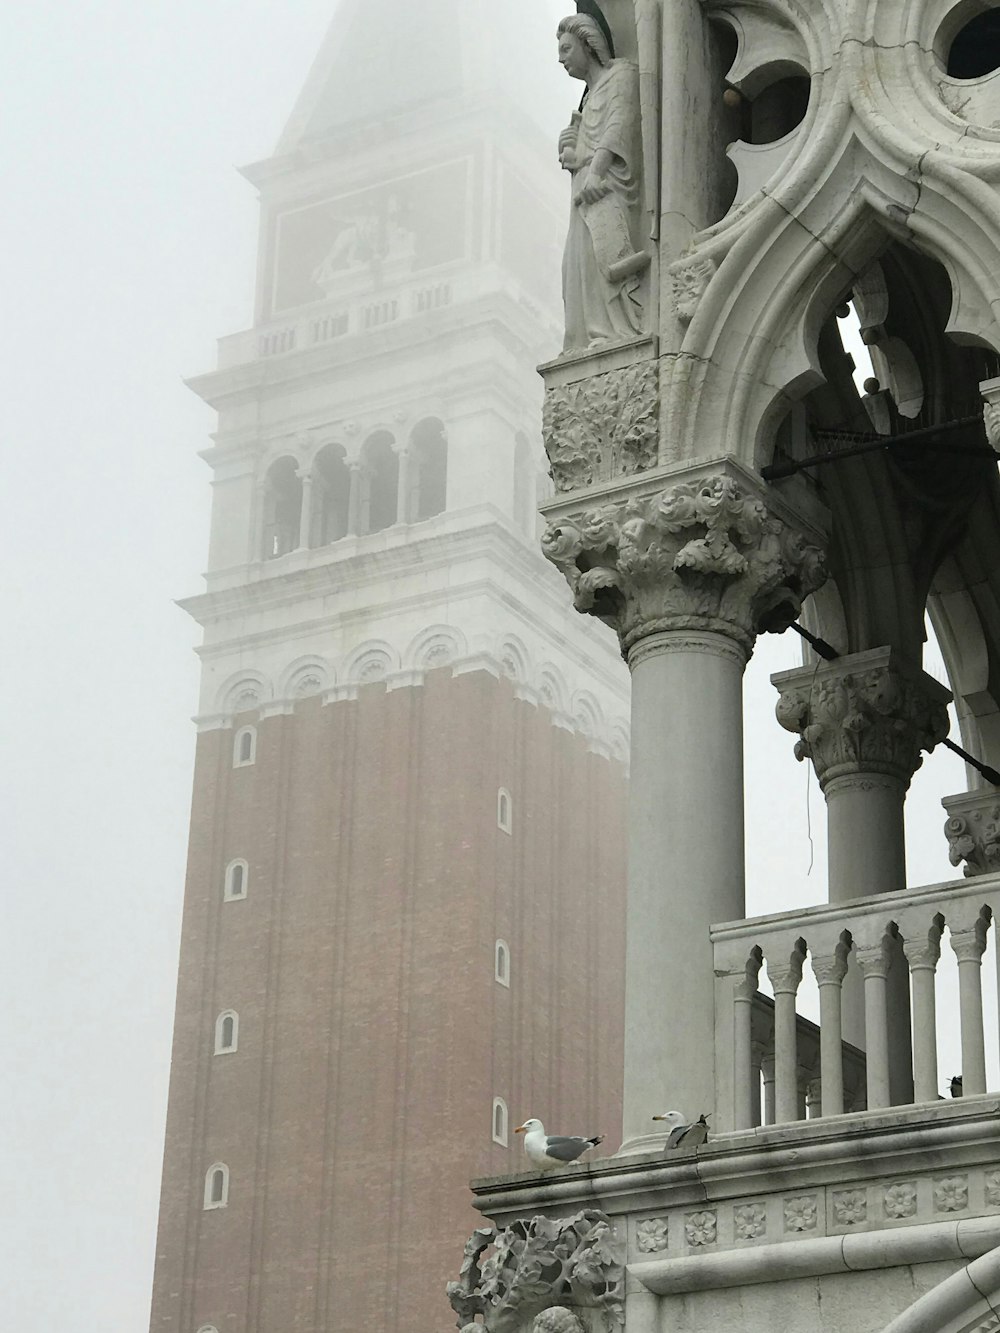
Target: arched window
(227, 1032)
(244, 747)
(217, 1186)
(500, 1121)
(501, 968)
(380, 488)
(282, 508)
(429, 470)
(504, 810)
(237, 878)
(333, 502)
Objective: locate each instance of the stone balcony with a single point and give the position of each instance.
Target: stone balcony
(847, 1217)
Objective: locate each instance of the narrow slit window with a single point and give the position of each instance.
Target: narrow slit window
(502, 963)
(504, 810)
(217, 1186)
(245, 747)
(237, 875)
(227, 1029)
(500, 1121)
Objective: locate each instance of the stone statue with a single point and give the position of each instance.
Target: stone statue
(602, 148)
(557, 1320)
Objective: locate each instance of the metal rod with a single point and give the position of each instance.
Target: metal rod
(776, 471)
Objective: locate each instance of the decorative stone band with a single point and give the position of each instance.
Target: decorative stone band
(973, 830)
(603, 427)
(863, 714)
(706, 555)
(514, 1278)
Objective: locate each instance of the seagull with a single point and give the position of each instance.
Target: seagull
(547, 1151)
(955, 1086)
(683, 1135)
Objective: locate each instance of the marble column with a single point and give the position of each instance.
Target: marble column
(688, 567)
(864, 720)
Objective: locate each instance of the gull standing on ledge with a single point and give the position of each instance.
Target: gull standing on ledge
(546, 1151)
(683, 1135)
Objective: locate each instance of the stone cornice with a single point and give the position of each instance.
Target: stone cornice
(806, 1154)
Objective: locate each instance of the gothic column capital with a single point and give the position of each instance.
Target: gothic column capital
(786, 977)
(701, 551)
(862, 717)
(873, 959)
(830, 970)
(973, 831)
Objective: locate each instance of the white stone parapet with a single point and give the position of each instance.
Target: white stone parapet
(873, 936)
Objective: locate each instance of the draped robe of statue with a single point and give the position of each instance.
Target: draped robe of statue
(603, 256)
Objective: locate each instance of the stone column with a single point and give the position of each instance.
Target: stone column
(354, 466)
(829, 973)
(874, 964)
(306, 511)
(688, 568)
(864, 720)
(923, 956)
(403, 514)
(785, 981)
(969, 946)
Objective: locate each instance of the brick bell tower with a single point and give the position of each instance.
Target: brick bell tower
(403, 921)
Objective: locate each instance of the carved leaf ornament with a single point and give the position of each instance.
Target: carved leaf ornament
(602, 427)
(702, 555)
(538, 1264)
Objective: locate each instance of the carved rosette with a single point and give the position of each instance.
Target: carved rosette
(689, 281)
(512, 1277)
(705, 555)
(602, 427)
(860, 714)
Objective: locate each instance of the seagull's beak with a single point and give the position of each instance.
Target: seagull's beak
(521, 1129)
(659, 1117)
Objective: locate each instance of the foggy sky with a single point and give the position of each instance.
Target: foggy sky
(128, 246)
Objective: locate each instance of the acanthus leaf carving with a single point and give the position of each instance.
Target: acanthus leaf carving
(537, 1265)
(603, 427)
(862, 714)
(973, 832)
(690, 278)
(706, 555)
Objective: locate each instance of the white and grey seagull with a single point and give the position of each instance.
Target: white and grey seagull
(547, 1151)
(683, 1135)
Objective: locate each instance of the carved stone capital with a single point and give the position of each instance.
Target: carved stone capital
(873, 960)
(861, 716)
(706, 554)
(829, 971)
(969, 945)
(973, 831)
(786, 977)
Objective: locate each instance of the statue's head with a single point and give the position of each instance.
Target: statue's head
(557, 1320)
(580, 41)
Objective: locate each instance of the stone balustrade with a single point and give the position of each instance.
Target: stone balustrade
(759, 1042)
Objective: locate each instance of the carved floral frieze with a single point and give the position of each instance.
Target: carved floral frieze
(706, 555)
(900, 1200)
(951, 1194)
(701, 1228)
(850, 1207)
(862, 714)
(651, 1235)
(602, 427)
(749, 1221)
(514, 1276)
(801, 1213)
(991, 1188)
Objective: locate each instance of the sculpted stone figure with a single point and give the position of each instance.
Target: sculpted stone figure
(602, 149)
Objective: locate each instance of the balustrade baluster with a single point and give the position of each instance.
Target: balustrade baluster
(874, 964)
(969, 946)
(785, 982)
(743, 1073)
(767, 1072)
(923, 960)
(829, 973)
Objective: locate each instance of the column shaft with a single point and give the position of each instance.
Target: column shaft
(876, 1039)
(831, 1060)
(970, 999)
(925, 1075)
(743, 1073)
(786, 1083)
(685, 863)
